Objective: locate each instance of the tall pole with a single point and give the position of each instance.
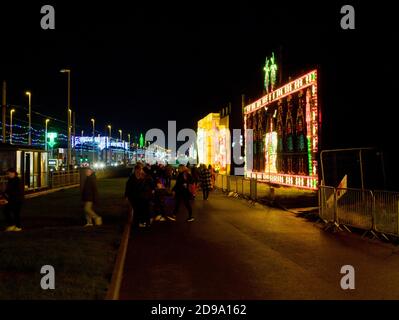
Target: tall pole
(11, 112)
(69, 138)
(109, 143)
(4, 110)
(74, 133)
(45, 134)
(30, 118)
(128, 148)
(94, 132)
(69, 119)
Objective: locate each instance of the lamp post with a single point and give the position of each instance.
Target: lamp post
(128, 149)
(68, 71)
(11, 112)
(109, 143)
(93, 121)
(81, 144)
(45, 133)
(29, 117)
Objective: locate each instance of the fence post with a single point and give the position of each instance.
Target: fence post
(373, 220)
(335, 207)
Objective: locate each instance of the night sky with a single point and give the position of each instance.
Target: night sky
(137, 66)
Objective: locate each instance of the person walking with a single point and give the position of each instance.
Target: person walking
(182, 193)
(90, 198)
(213, 176)
(138, 192)
(206, 181)
(168, 175)
(13, 198)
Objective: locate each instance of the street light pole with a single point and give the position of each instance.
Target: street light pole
(30, 118)
(11, 112)
(94, 132)
(45, 134)
(109, 143)
(128, 149)
(68, 71)
(81, 144)
(120, 138)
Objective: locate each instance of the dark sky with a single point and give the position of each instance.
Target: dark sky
(137, 66)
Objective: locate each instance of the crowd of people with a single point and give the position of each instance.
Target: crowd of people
(148, 190)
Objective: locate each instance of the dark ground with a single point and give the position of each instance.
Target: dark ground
(237, 251)
(53, 234)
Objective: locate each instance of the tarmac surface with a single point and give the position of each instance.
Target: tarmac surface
(234, 250)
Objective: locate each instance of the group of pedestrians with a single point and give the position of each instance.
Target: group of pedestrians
(147, 191)
(149, 188)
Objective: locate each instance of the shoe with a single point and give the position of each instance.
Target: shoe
(88, 225)
(171, 218)
(16, 229)
(98, 221)
(190, 219)
(162, 219)
(10, 228)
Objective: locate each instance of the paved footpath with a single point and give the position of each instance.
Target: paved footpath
(236, 251)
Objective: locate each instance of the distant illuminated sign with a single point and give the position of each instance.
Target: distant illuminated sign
(51, 136)
(101, 142)
(52, 162)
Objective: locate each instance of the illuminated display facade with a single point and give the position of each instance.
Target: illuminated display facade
(285, 124)
(213, 142)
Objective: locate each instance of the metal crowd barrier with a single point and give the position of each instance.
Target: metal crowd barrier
(246, 187)
(374, 211)
(386, 204)
(64, 178)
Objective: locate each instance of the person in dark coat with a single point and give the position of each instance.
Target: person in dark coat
(90, 197)
(182, 192)
(168, 175)
(138, 192)
(13, 198)
(206, 181)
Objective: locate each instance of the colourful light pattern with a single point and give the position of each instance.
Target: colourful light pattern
(213, 142)
(290, 88)
(307, 83)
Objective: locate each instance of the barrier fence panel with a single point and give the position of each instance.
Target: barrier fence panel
(218, 181)
(327, 204)
(246, 187)
(262, 190)
(61, 179)
(253, 187)
(386, 212)
(233, 183)
(354, 208)
(240, 186)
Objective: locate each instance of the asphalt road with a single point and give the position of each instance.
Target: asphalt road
(237, 251)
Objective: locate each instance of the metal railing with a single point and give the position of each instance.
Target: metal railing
(246, 187)
(374, 211)
(64, 178)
